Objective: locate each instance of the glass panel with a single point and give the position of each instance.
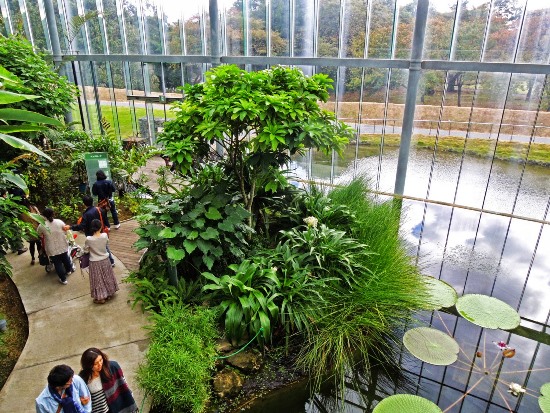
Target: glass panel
(328, 36)
(153, 36)
(504, 25)
(534, 46)
(381, 29)
(280, 27)
(304, 28)
(235, 38)
(405, 29)
(94, 33)
(38, 35)
(172, 19)
(131, 26)
(439, 30)
(114, 36)
(257, 30)
(354, 28)
(470, 31)
(193, 35)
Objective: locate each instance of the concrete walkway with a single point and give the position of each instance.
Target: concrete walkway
(63, 322)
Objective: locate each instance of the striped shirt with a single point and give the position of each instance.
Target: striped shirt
(99, 402)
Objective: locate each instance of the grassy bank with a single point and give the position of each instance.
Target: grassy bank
(535, 154)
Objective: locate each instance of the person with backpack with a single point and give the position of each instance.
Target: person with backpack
(104, 188)
(56, 244)
(85, 223)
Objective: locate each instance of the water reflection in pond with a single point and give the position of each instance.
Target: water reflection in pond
(475, 252)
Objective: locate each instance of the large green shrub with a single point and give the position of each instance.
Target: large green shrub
(57, 94)
(258, 118)
(181, 357)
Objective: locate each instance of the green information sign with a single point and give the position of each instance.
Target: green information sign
(95, 161)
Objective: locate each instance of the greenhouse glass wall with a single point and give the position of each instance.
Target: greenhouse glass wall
(423, 84)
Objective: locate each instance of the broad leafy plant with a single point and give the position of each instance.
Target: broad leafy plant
(258, 118)
(196, 228)
(12, 229)
(247, 303)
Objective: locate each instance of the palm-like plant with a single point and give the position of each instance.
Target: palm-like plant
(12, 91)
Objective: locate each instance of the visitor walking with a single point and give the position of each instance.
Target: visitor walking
(85, 224)
(103, 283)
(108, 388)
(104, 188)
(56, 244)
(34, 241)
(65, 393)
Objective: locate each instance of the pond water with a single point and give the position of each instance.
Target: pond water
(475, 252)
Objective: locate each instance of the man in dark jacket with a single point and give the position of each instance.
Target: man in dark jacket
(88, 216)
(103, 188)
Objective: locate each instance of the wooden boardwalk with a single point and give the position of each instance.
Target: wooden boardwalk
(121, 242)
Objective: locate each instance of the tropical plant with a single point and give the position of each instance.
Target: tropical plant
(196, 228)
(258, 118)
(12, 228)
(181, 357)
(247, 303)
(56, 94)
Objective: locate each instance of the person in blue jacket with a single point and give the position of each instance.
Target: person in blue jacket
(65, 393)
(104, 188)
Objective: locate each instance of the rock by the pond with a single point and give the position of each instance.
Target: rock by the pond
(248, 361)
(227, 383)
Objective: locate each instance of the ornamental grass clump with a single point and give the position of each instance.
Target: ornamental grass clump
(179, 363)
(352, 319)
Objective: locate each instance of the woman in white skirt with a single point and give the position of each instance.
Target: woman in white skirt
(103, 283)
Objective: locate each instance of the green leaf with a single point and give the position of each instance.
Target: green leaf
(441, 294)
(189, 246)
(27, 116)
(167, 233)
(175, 254)
(21, 128)
(209, 233)
(213, 214)
(10, 97)
(16, 180)
(406, 403)
(488, 312)
(226, 226)
(21, 144)
(208, 261)
(544, 399)
(431, 345)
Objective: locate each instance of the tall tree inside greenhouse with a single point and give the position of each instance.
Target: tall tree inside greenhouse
(259, 118)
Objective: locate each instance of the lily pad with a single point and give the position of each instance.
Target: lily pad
(544, 399)
(431, 345)
(441, 294)
(488, 312)
(406, 403)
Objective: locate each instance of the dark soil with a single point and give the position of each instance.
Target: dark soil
(14, 338)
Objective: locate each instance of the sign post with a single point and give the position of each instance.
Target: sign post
(95, 161)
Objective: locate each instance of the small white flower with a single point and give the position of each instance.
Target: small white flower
(515, 389)
(311, 221)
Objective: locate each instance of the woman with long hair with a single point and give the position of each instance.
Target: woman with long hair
(105, 379)
(56, 244)
(103, 283)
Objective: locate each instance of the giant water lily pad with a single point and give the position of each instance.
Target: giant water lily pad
(488, 312)
(441, 294)
(431, 345)
(406, 403)
(544, 399)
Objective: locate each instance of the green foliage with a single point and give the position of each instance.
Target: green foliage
(246, 301)
(180, 360)
(258, 118)
(151, 288)
(12, 229)
(198, 227)
(56, 93)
